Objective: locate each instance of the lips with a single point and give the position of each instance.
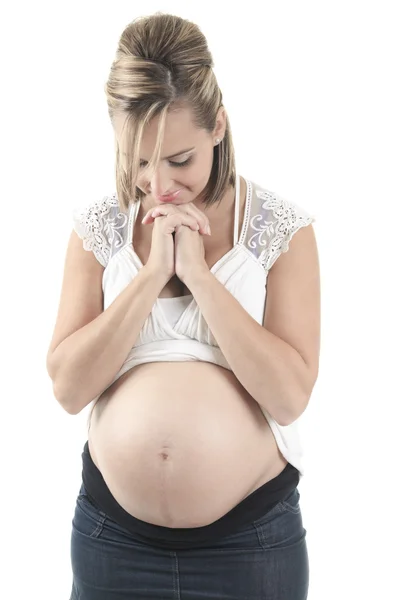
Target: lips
(170, 197)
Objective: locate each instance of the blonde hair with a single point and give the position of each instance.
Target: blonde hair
(163, 63)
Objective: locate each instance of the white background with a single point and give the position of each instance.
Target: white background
(311, 91)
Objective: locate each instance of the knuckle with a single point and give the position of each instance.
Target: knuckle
(172, 220)
(165, 208)
(189, 220)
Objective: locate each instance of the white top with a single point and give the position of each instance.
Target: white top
(175, 330)
(174, 307)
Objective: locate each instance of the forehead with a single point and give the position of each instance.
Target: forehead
(179, 129)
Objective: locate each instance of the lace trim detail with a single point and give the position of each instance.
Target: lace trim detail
(276, 234)
(98, 228)
(246, 211)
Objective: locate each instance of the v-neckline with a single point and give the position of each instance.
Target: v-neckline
(134, 210)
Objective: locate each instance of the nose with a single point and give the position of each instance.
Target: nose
(161, 182)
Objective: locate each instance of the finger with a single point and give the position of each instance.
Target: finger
(188, 209)
(158, 211)
(180, 218)
(147, 217)
(171, 221)
(201, 218)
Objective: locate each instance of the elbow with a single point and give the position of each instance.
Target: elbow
(70, 401)
(50, 365)
(293, 411)
(64, 399)
(285, 419)
(299, 401)
(69, 407)
(286, 407)
(59, 392)
(288, 417)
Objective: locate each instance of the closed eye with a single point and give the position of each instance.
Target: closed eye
(172, 163)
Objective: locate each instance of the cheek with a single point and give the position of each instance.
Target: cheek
(198, 174)
(141, 181)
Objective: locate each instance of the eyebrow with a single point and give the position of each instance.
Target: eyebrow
(173, 155)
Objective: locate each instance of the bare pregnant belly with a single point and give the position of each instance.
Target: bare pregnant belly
(180, 444)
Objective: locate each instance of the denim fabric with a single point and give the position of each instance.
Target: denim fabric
(267, 560)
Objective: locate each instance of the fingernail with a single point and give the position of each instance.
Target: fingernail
(208, 230)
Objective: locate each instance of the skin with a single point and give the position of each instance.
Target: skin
(180, 133)
(184, 431)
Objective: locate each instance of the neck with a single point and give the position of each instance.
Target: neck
(221, 208)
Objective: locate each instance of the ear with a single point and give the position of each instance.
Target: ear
(220, 123)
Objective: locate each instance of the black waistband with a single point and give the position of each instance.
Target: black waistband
(240, 516)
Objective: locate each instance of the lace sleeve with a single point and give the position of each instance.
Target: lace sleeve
(91, 223)
(280, 221)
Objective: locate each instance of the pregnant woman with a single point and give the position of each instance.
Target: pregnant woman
(189, 316)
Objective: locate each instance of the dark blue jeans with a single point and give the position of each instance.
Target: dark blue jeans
(268, 560)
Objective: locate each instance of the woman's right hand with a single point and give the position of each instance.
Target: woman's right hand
(162, 252)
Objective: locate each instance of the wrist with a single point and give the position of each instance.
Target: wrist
(158, 278)
(196, 276)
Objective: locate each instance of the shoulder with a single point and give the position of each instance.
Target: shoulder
(92, 214)
(95, 223)
(272, 222)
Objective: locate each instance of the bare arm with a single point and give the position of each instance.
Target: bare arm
(84, 363)
(90, 344)
(277, 362)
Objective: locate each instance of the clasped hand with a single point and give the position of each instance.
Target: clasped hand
(189, 253)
